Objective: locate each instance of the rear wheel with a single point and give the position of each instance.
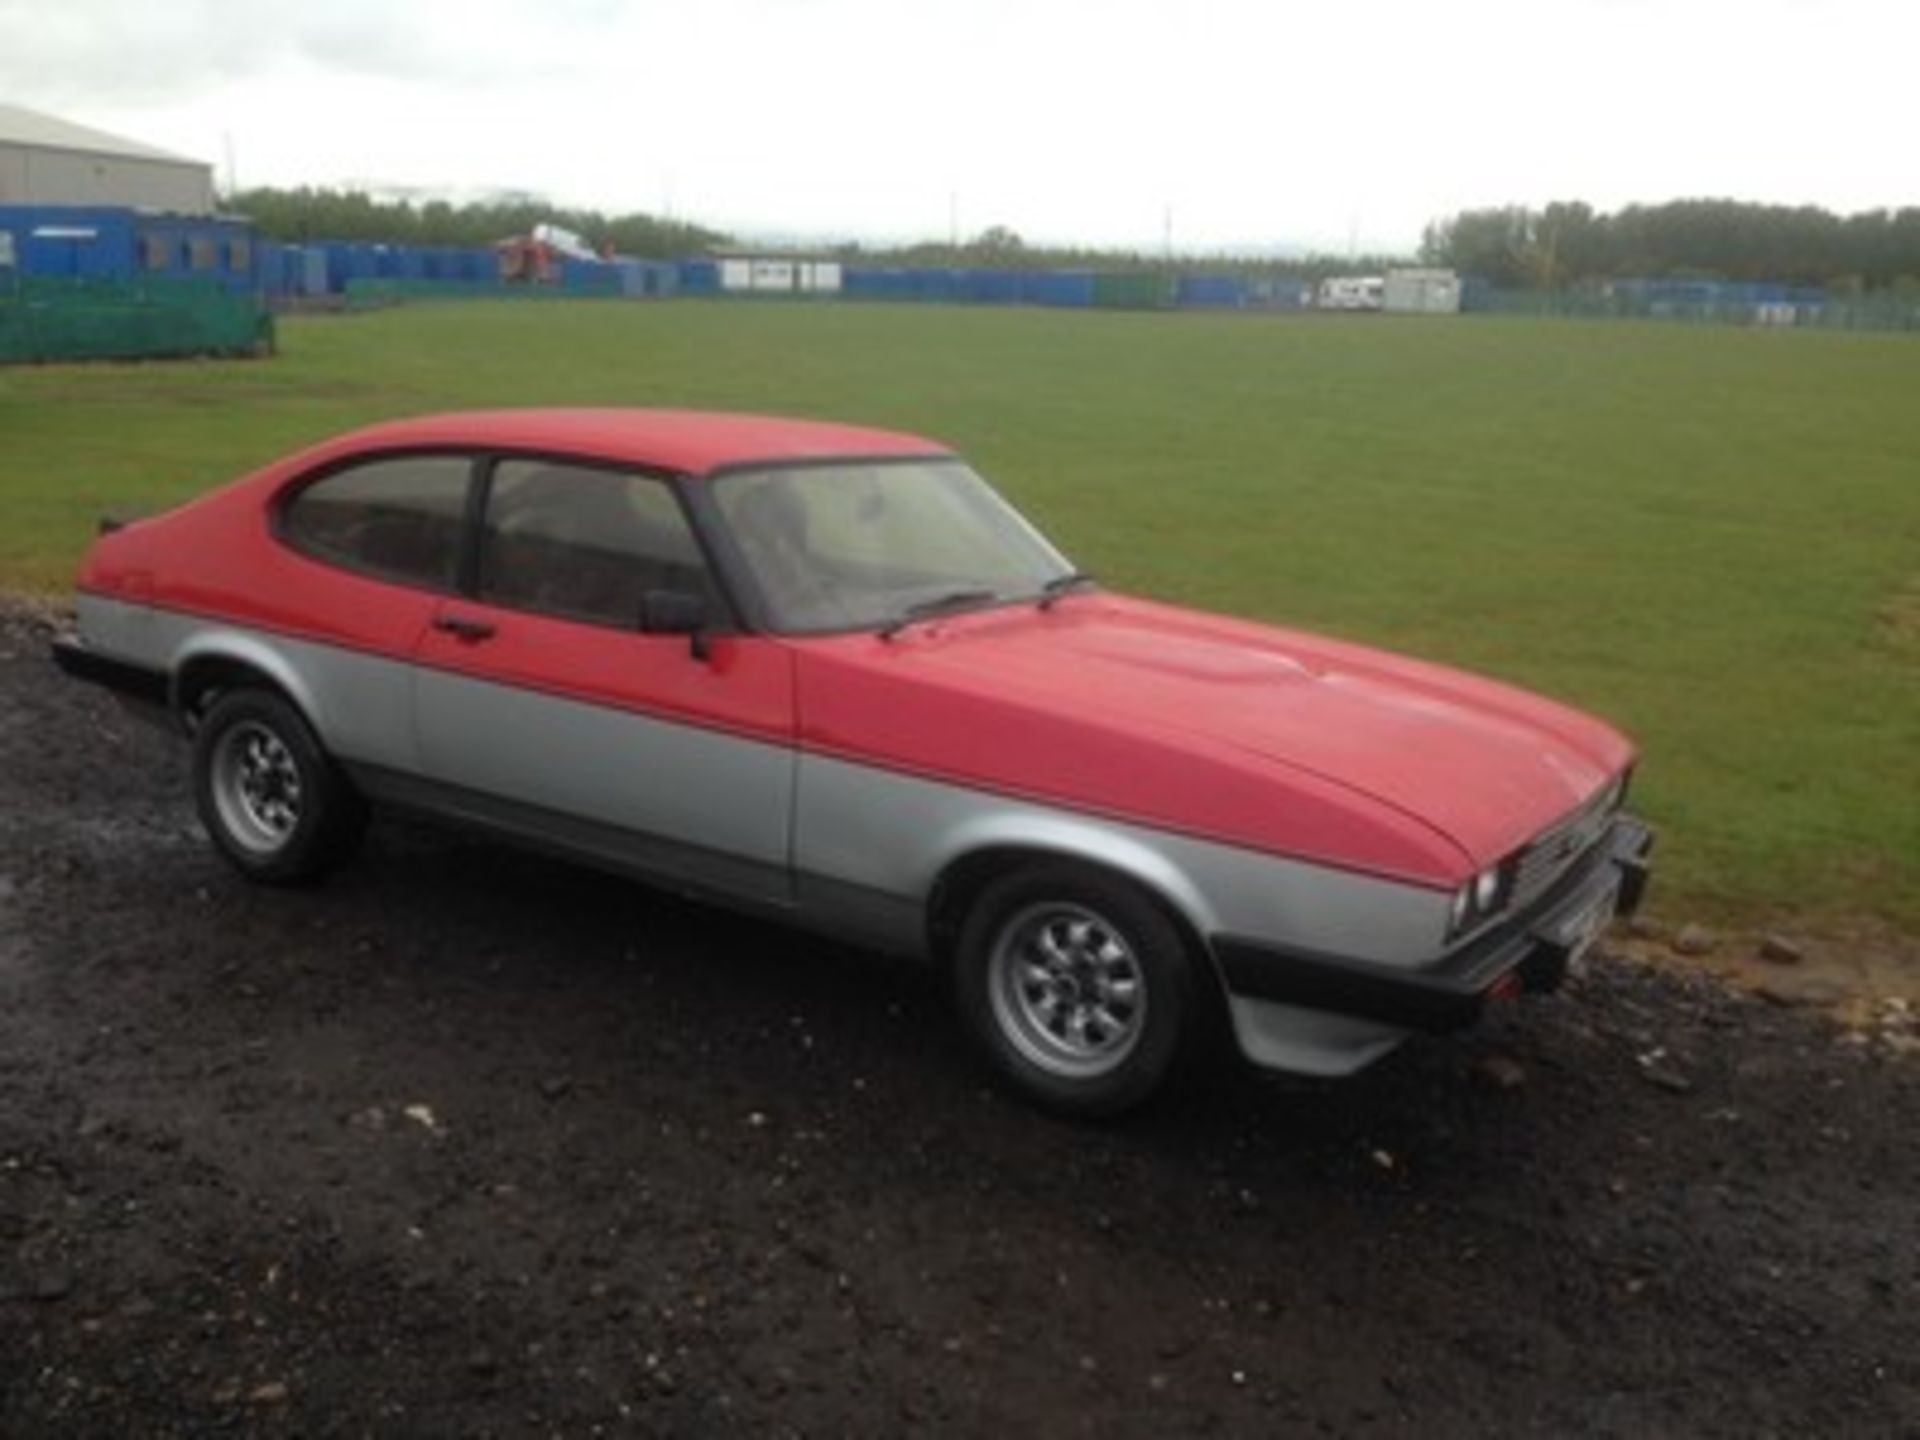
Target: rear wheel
(1076, 986)
(271, 800)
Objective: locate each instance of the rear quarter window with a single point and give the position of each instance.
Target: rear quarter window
(584, 543)
(399, 518)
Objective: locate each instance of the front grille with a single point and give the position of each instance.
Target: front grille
(1557, 850)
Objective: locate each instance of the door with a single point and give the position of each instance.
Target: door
(542, 708)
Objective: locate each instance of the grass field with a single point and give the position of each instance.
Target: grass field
(1710, 535)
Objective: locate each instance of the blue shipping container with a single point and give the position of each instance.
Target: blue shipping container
(699, 277)
(1072, 288)
(1221, 292)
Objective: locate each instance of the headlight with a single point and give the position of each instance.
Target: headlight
(1486, 889)
(1481, 898)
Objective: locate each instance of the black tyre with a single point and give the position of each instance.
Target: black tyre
(1077, 986)
(271, 800)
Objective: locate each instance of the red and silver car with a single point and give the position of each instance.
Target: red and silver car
(827, 674)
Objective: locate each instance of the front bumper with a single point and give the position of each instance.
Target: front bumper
(1532, 951)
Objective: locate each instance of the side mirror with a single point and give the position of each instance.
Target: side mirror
(675, 612)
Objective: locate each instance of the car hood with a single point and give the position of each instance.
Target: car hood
(1483, 764)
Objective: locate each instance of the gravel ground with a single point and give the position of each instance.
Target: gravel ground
(465, 1142)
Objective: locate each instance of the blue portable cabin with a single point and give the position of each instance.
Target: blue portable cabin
(333, 257)
(119, 243)
(662, 279)
(1209, 292)
(477, 266)
(68, 241)
(989, 287)
(200, 247)
(1072, 289)
(699, 277)
(278, 267)
(863, 284)
(1282, 292)
(645, 279)
(316, 270)
(939, 287)
(589, 277)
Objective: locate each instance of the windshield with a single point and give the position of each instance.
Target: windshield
(860, 545)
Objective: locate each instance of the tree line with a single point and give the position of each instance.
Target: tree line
(304, 215)
(1564, 244)
(1568, 243)
(307, 214)
(999, 248)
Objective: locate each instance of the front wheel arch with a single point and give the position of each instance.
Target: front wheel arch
(960, 884)
(978, 900)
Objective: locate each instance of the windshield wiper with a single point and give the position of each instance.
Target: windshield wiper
(938, 605)
(1051, 592)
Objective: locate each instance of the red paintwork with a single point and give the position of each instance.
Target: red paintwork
(690, 442)
(745, 688)
(1242, 733)
(1257, 736)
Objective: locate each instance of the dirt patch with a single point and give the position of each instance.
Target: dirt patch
(1897, 622)
(465, 1142)
(1859, 972)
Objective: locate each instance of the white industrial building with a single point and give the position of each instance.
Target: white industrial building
(772, 272)
(49, 161)
(1422, 292)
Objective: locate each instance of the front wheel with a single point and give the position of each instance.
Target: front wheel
(1076, 986)
(272, 802)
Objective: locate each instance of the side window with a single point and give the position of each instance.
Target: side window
(583, 543)
(398, 518)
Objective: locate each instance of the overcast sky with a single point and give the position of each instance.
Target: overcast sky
(1250, 124)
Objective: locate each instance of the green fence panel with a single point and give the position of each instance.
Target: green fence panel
(44, 319)
(1128, 290)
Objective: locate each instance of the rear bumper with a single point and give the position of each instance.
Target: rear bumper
(124, 677)
(1530, 952)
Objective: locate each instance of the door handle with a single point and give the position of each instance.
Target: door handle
(464, 626)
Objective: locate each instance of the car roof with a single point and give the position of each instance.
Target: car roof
(692, 442)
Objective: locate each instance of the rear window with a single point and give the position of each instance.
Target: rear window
(398, 518)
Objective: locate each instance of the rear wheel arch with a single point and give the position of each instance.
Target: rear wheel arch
(272, 800)
(202, 677)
